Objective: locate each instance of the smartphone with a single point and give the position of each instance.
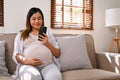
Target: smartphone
(42, 30)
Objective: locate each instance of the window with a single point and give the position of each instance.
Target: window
(72, 14)
(1, 13)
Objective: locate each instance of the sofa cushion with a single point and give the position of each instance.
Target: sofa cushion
(73, 53)
(8, 77)
(3, 69)
(90, 74)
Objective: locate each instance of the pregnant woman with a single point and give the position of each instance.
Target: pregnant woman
(36, 55)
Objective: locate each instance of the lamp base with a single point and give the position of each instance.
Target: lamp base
(117, 42)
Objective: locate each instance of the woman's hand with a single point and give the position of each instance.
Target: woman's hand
(43, 38)
(33, 62)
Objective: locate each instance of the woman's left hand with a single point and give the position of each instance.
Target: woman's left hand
(43, 38)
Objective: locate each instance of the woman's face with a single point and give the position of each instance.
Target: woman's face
(36, 20)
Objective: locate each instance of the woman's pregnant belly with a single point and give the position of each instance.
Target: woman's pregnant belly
(40, 52)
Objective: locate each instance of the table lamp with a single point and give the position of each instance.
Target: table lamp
(112, 20)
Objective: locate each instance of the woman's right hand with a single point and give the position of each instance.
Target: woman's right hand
(33, 62)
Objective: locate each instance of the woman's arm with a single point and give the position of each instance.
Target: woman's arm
(54, 50)
(17, 47)
(34, 62)
(44, 39)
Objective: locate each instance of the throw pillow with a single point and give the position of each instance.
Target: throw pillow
(73, 53)
(3, 68)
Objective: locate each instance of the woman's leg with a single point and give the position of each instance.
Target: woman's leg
(51, 72)
(27, 72)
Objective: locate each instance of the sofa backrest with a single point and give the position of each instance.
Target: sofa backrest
(9, 38)
(91, 49)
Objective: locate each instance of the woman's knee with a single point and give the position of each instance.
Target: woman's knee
(29, 73)
(53, 76)
(51, 72)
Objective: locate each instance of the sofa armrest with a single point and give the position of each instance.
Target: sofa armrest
(109, 61)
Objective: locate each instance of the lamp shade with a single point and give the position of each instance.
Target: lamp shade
(112, 18)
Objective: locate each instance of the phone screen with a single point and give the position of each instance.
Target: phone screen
(42, 30)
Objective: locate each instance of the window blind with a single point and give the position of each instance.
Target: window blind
(72, 14)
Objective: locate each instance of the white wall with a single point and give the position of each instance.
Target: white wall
(15, 15)
(15, 12)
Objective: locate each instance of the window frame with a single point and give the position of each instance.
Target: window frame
(1, 13)
(90, 12)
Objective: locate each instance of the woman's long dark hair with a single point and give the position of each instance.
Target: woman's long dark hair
(25, 33)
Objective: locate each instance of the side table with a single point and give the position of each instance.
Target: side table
(117, 42)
